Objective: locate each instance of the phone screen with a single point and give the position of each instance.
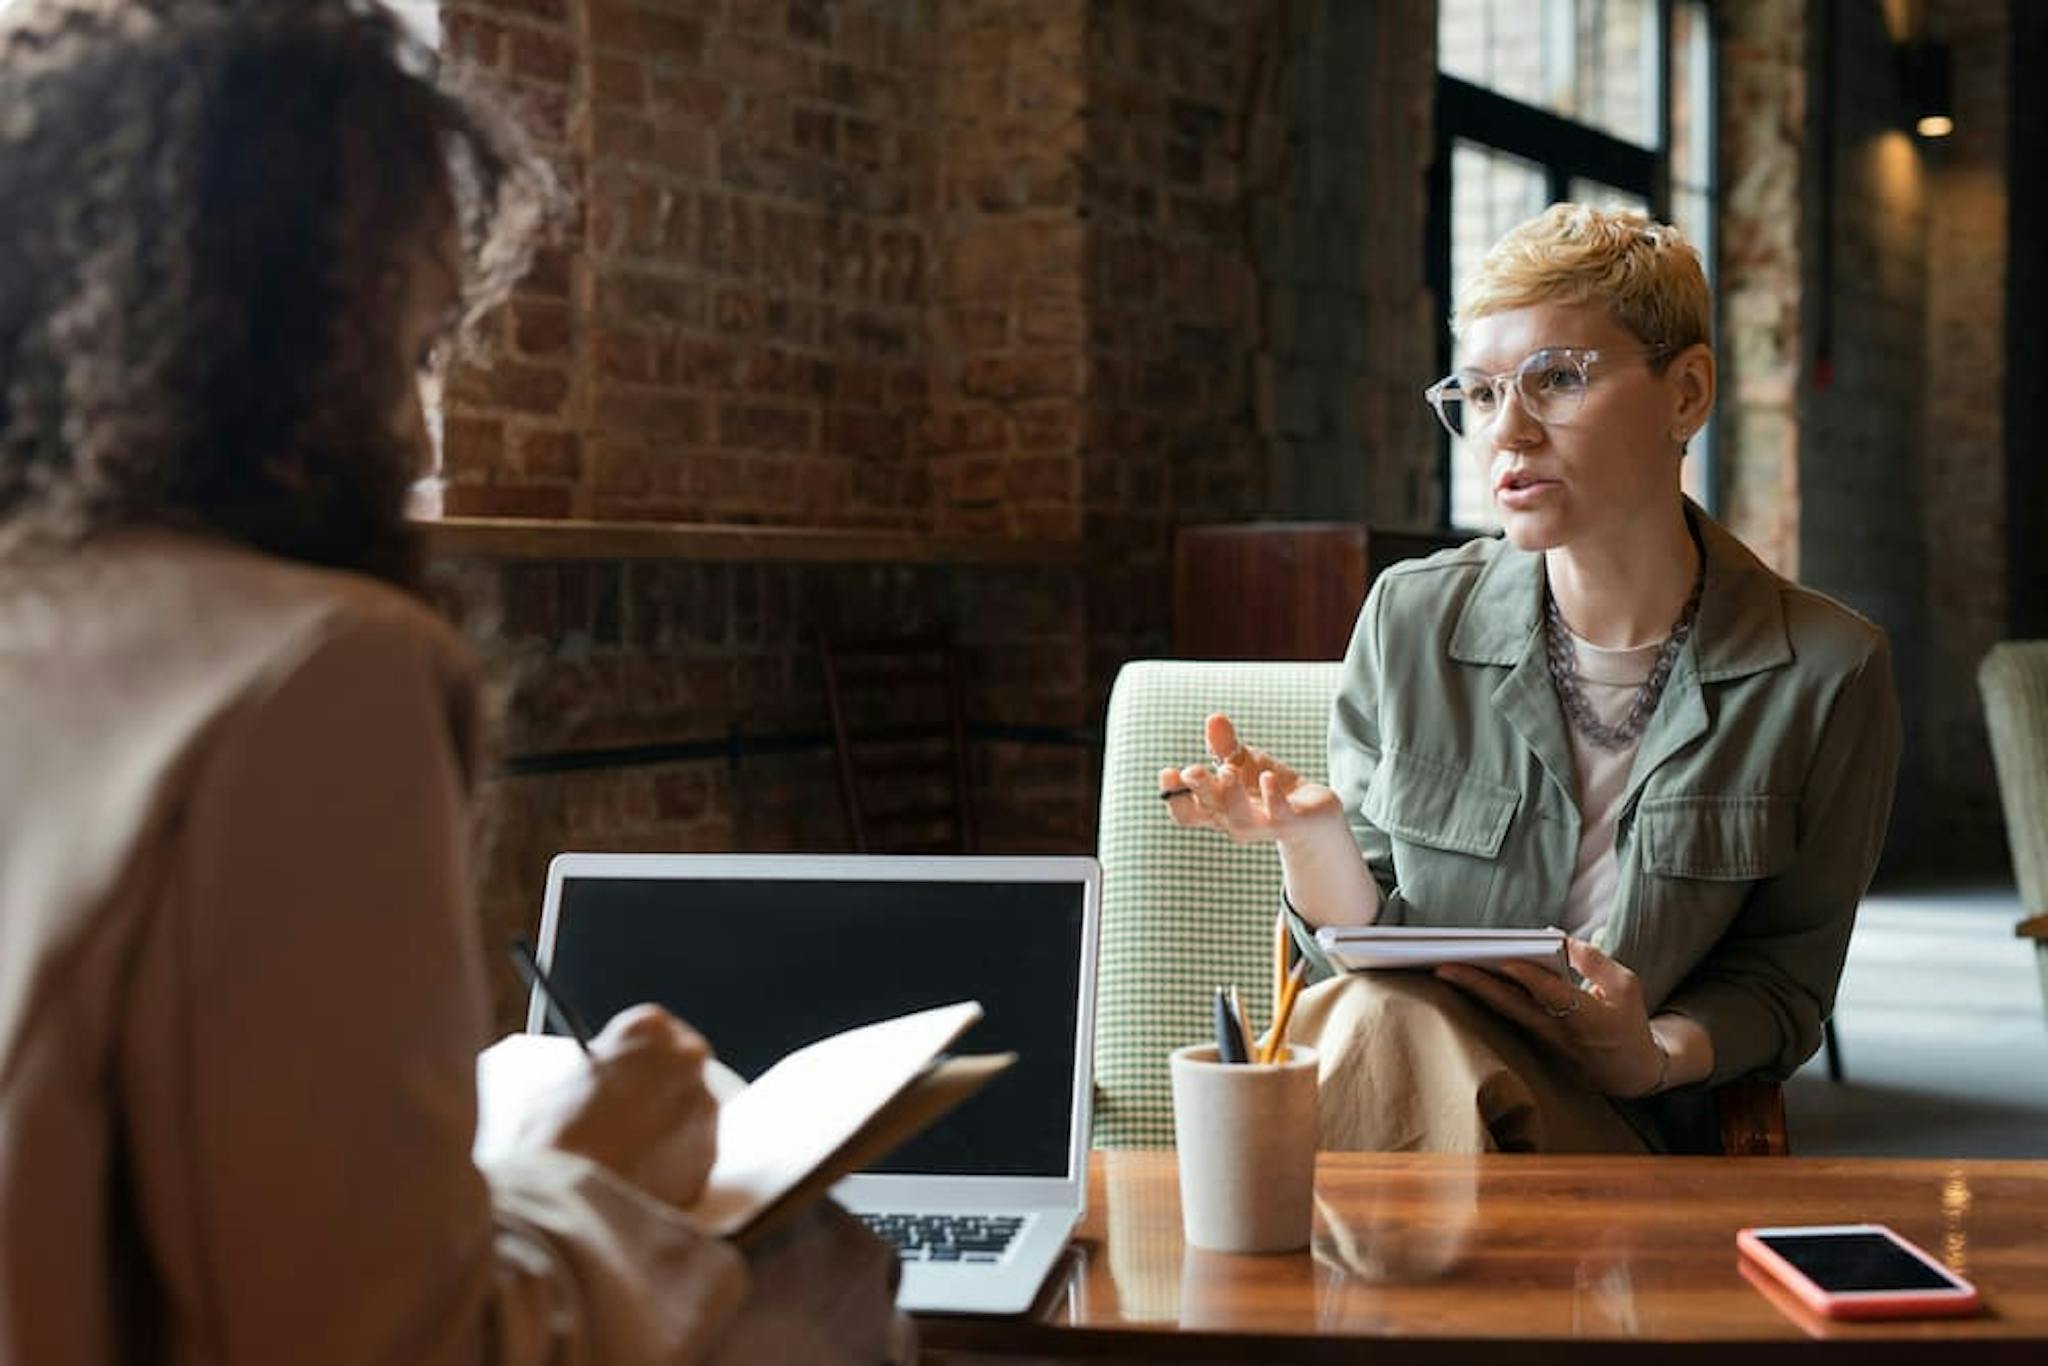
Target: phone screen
(1855, 1261)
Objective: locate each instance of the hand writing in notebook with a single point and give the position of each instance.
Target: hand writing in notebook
(641, 1109)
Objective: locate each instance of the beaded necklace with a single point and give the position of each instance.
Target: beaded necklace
(1563, 659)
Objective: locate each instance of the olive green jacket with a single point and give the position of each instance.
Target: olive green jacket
(1753, 816)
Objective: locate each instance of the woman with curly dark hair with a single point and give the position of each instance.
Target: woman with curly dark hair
(240, 981)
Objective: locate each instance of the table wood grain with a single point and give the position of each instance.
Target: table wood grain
(1527, 1259)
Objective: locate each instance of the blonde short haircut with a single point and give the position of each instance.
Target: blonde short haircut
(1646, 272)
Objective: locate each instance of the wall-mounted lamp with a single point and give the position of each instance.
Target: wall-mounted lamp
(1926, 81)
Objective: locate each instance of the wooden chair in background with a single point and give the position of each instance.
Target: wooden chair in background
(1281, 590)
(899, 739)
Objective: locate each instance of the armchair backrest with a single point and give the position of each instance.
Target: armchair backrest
(2014, 681)
(1185, 911)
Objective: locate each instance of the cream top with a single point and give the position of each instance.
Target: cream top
(1609, 679)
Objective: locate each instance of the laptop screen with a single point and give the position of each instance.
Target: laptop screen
(763, 966)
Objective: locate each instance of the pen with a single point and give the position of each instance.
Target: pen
(1243, 1022)
(1229, 1043)
(558, 1008)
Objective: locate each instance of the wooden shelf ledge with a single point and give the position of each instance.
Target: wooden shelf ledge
(519, 538)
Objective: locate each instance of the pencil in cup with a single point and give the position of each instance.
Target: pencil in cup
(1290, 991)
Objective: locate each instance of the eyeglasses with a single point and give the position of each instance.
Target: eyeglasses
(1551, 384)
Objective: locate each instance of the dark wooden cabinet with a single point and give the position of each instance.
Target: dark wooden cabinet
(1281, 590)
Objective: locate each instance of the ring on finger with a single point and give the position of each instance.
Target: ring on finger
(1559, 1012)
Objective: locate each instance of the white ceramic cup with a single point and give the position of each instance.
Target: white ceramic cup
(1246, 1135)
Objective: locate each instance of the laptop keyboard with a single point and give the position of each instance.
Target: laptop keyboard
(947, 1237)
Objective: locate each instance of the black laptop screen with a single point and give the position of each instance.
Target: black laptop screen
(765, 966)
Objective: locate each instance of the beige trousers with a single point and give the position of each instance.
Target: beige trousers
(1410, 1064)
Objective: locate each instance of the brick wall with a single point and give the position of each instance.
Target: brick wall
(1764, 218)
(1864, 366)
(734, 326)
(1083, 271)
(1010, 373)
(1345, 331)
(1902, 461)
(1068, 271)
(1861, 408)
(1170, 300)
(1964, 511)
(969, 267)
(737, 325)
(675, 657)
(2026, 323)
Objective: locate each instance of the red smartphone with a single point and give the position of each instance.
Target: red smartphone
(1857, 1271)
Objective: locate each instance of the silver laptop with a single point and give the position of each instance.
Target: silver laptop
(764, 954)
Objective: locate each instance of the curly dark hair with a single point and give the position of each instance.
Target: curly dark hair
(210, 213)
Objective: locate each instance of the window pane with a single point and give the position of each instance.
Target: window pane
(1601, 196)
(1693, 474)
(1491, 191)
(1692, 102)
(422, 17)
(1692, 202)
(1692, 209)
(1495, 43)
(1591, 60)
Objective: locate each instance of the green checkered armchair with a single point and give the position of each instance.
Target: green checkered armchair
(1184, 911)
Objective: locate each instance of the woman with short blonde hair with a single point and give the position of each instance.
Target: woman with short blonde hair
(1613, 718)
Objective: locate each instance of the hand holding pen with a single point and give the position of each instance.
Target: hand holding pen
(1245, 793)
(642, 1109)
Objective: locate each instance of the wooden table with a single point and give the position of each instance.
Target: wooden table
(1527, 1259)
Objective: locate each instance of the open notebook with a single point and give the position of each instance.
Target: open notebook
(822, 1112)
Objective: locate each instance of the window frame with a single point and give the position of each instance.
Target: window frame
(1566, 149)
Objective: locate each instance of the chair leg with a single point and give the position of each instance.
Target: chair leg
(1834, 1048)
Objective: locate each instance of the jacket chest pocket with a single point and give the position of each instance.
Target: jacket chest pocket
(1717, 839)
(1447, 828)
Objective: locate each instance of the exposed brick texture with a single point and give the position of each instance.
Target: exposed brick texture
(736, 322)
(975, 267)
(1964, 511)
(1863, 437)
(1345, 327)
(592, 656)
(1172, 300)
(1765, 203)
(1087, 271)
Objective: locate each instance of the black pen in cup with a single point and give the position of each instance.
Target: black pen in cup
(557, 1005)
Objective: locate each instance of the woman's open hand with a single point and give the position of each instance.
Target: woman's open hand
(1250, 796)
(1601, 1025)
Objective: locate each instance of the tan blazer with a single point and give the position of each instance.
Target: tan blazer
(241, 996)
